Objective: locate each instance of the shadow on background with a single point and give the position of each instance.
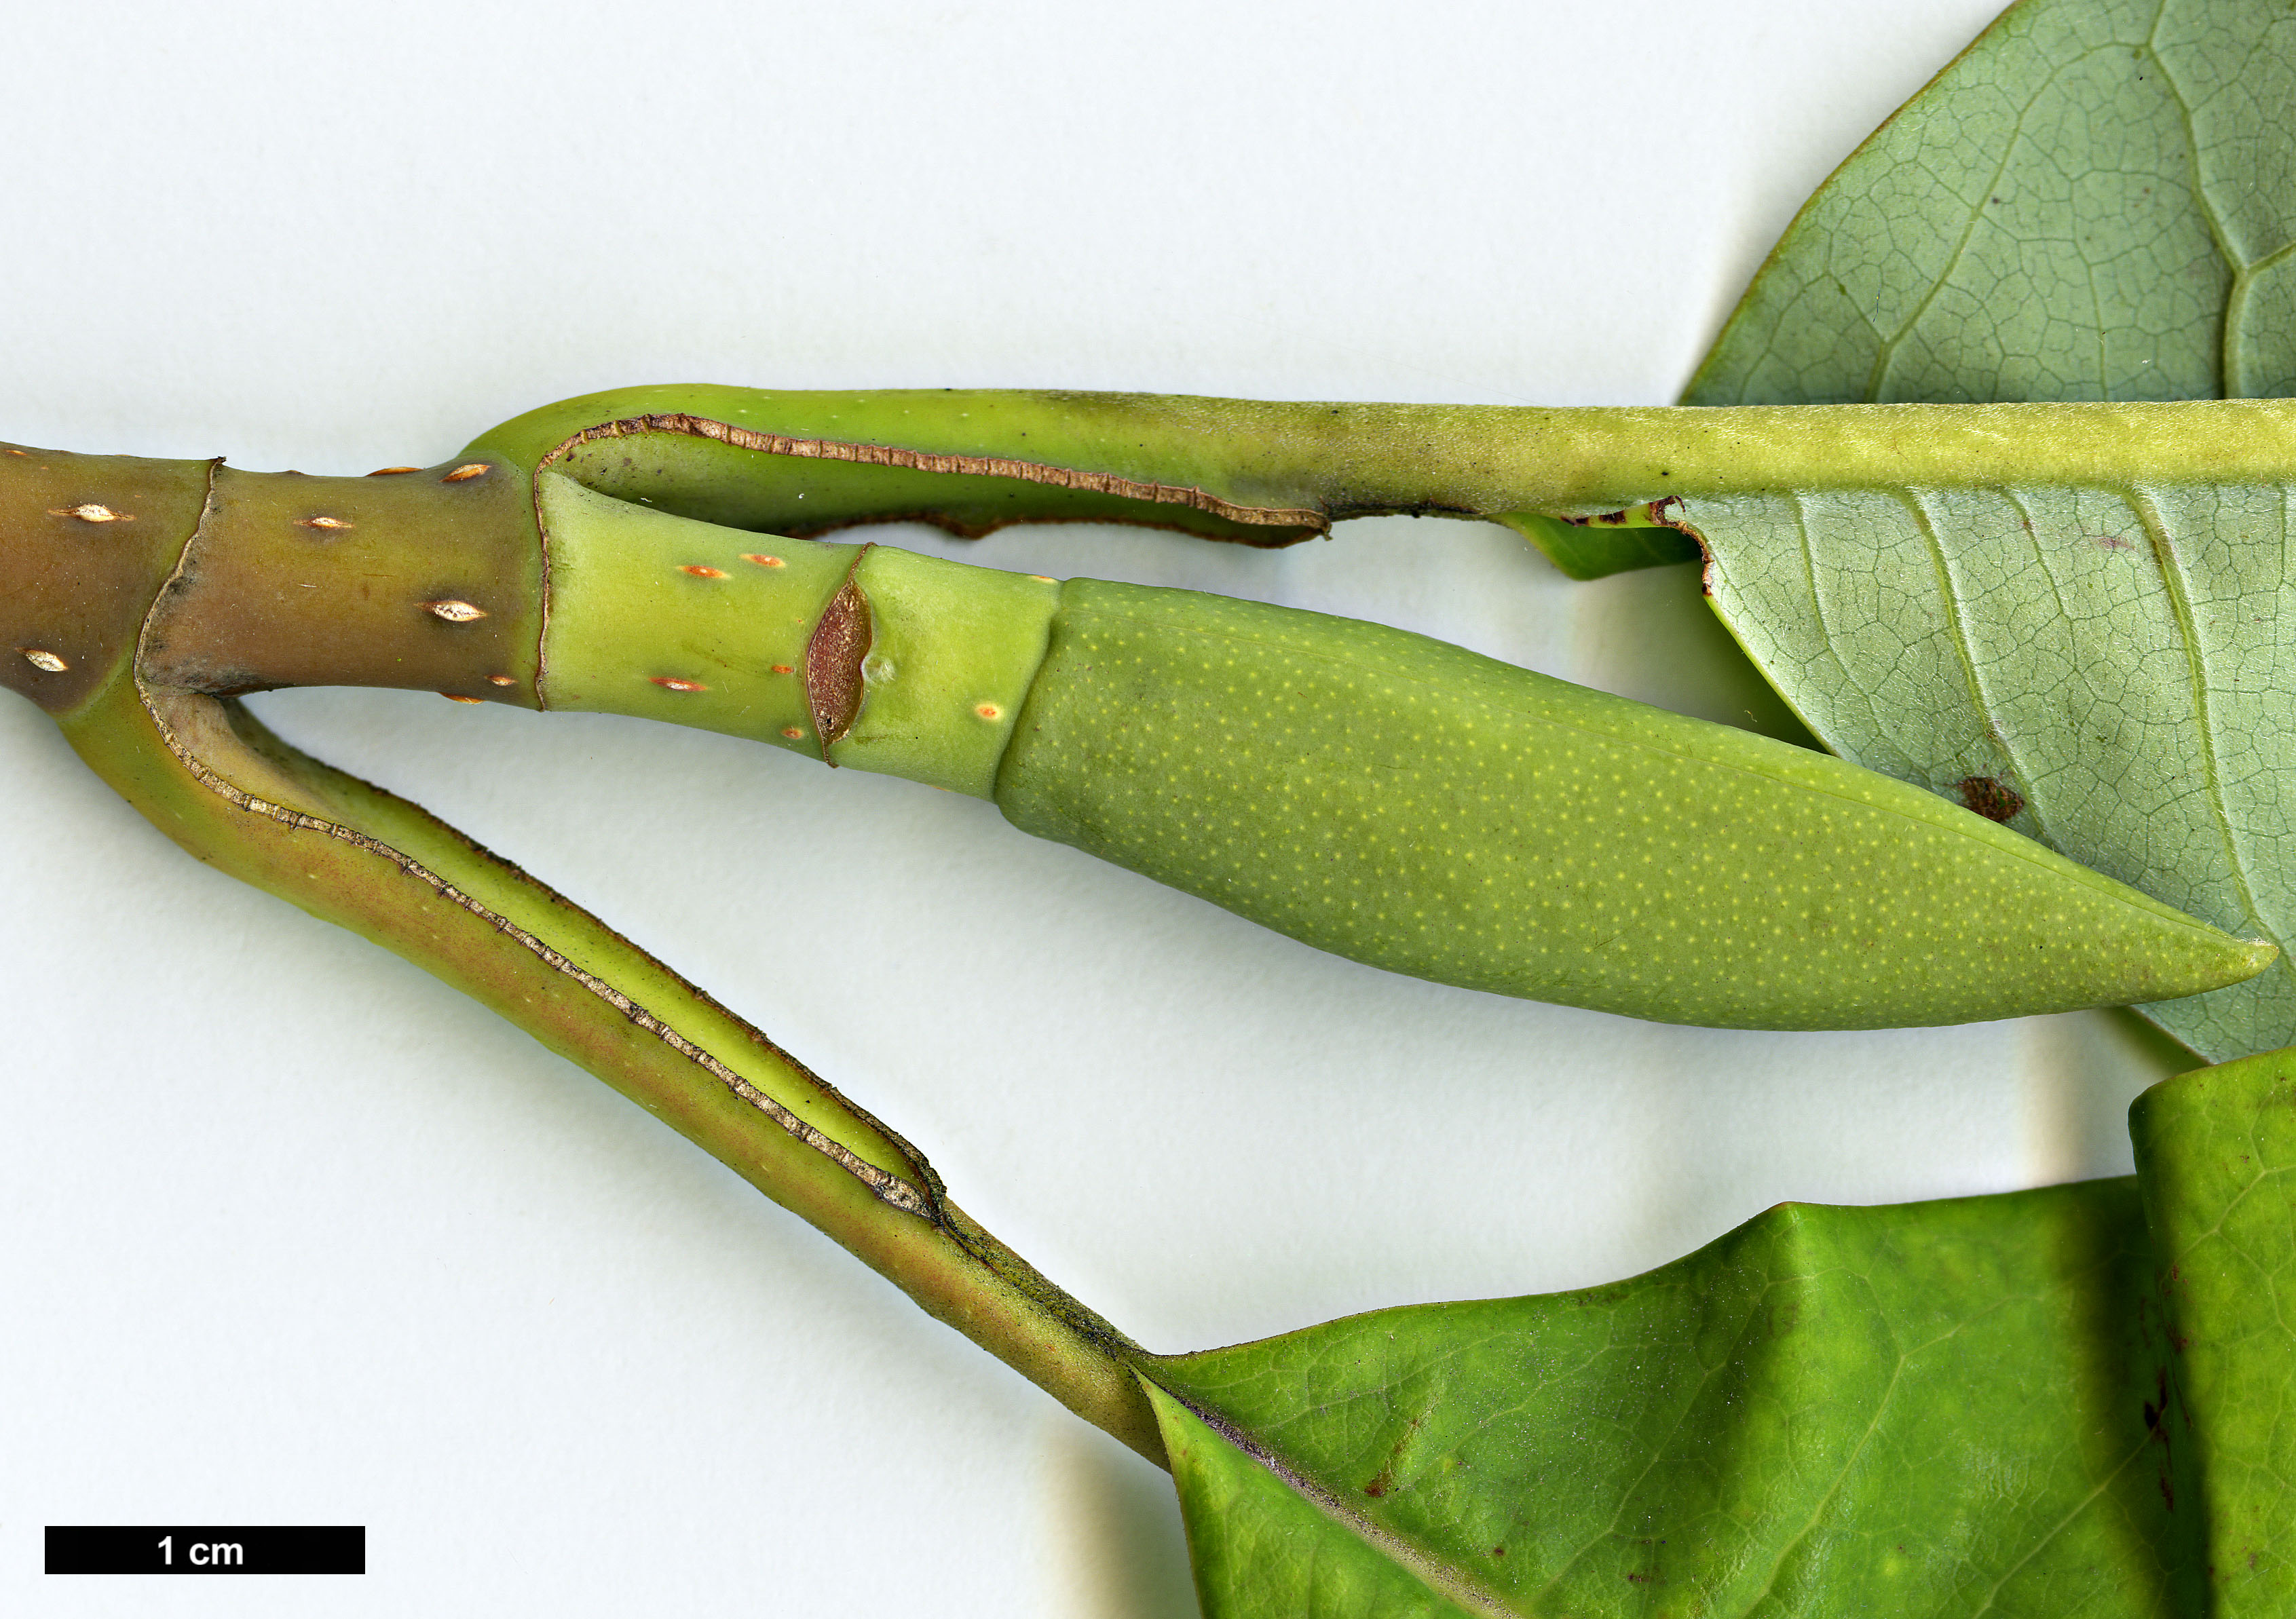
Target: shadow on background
(1114, 1528)
(1650, 636)
(2083, 1070)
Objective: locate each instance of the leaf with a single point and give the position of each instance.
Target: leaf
(1932, 1408)
(2095, 201)
(2217, 1150)
(1961, 1407)
(2096, 667)
(465, 1354)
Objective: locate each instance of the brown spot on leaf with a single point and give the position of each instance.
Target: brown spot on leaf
(1385, 1481)
(392, 471)
(670, 682)
(2156, 1412)
(703, 571)
(1994, 799)
(465, 472)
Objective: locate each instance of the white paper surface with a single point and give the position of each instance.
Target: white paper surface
(289, 1233)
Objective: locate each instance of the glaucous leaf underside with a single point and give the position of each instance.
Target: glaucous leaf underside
(2096, 201)
(2103, 669)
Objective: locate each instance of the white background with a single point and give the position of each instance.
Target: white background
(289, 1233)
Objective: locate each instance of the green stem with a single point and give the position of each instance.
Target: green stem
(216, 584)
(140, 595)
(1271, 473)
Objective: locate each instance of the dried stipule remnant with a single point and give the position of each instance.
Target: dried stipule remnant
(832, 664)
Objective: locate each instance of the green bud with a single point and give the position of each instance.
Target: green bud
(1390, 798)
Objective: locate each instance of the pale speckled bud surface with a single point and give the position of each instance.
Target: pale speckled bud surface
(1427, 810)
(1392, 799)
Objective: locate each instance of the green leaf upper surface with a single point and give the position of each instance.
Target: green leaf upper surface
(1943, 1407)
(2217, 1150)
(2097, 201)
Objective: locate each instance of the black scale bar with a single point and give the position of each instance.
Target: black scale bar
(206, 1548)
